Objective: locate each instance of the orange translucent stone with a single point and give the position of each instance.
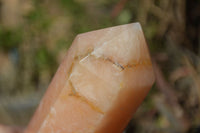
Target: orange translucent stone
(103, 79)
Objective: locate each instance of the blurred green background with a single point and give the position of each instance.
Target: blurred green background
(35, 35)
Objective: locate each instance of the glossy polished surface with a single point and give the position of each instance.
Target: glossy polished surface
(103, 79)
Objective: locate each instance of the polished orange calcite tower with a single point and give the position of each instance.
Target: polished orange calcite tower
(103, 79)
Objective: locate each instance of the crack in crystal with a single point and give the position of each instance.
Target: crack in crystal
(115, 63)
(72, 89)
(146, 62)
(84, 99)
(80, 58)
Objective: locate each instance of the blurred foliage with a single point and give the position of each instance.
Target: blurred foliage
(35, 35)
(10, 39)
